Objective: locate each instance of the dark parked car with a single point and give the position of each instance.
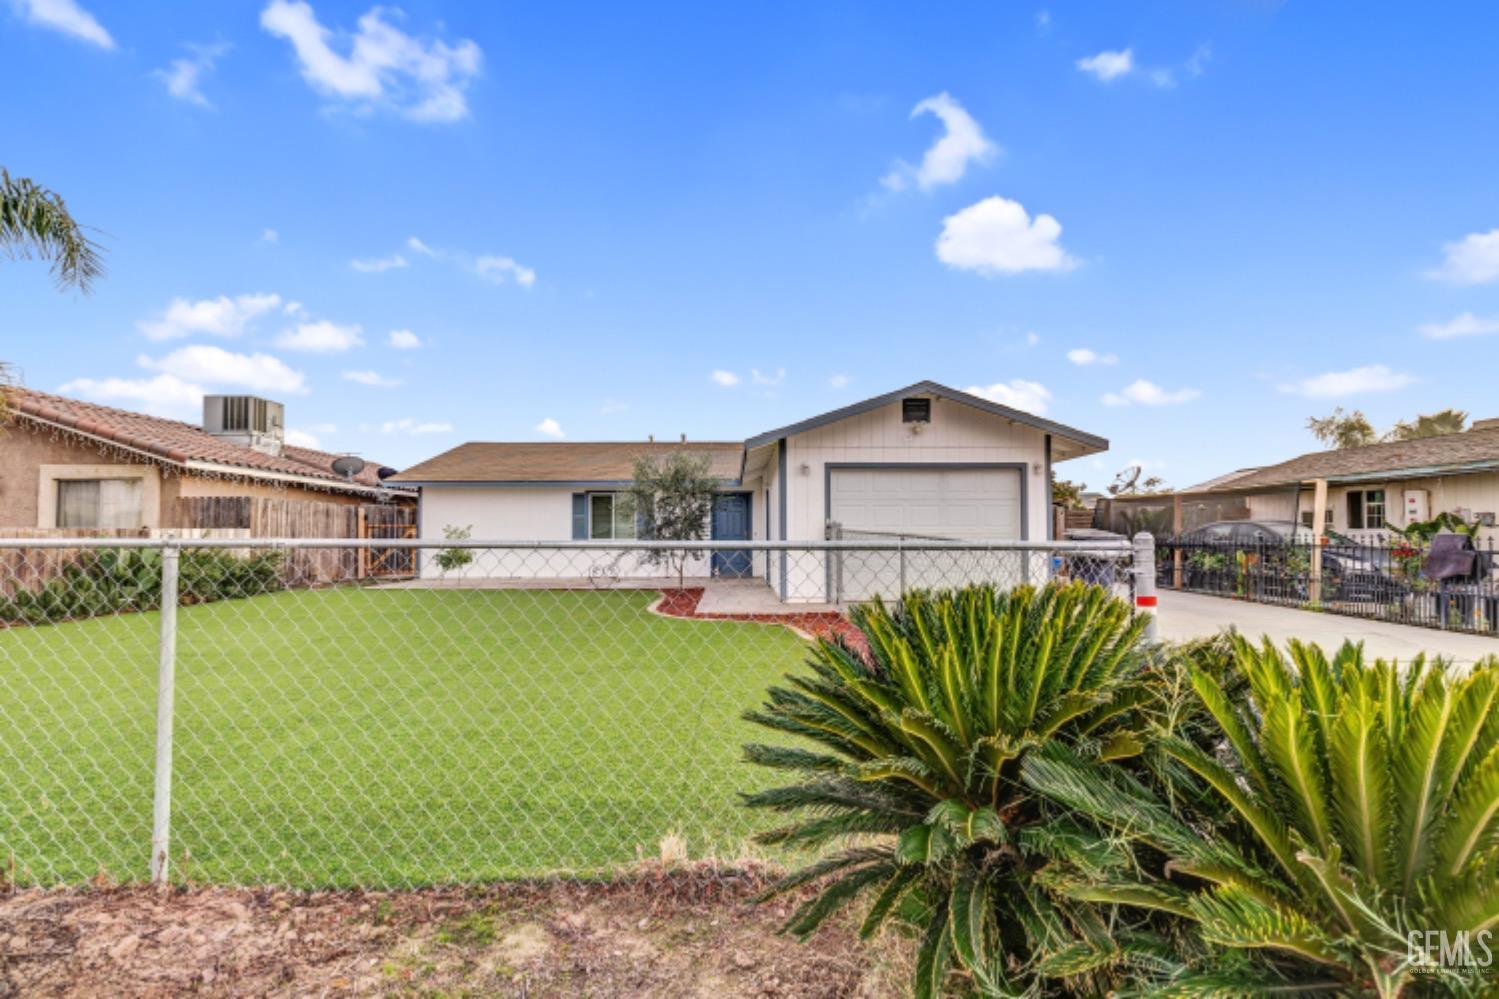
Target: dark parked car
(1274, 556)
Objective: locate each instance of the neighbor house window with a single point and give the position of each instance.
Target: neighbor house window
(1306, 517)
(107, 503)
(1366, 509)
(611, 516)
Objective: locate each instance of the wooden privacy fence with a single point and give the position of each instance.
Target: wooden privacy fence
(261, 517)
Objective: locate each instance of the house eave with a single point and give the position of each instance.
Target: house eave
(1090, 443)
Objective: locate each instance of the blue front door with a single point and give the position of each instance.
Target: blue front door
(731, 522)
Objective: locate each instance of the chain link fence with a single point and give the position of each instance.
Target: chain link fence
(179, 710)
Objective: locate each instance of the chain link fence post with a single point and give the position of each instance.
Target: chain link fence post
(166, 683)
(1144, 568)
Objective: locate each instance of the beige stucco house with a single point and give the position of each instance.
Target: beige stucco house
(66, 464)
(1360, 492)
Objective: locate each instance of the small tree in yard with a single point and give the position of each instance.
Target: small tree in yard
(673, 495)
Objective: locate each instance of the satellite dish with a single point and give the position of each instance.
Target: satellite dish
(1125, 480)
(348, 465)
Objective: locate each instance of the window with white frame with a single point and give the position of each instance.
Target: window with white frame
(611, 516)
(104, 503)
(1365, 509)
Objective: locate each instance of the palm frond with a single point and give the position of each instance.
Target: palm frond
(34, 222)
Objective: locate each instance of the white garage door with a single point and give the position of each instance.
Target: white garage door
(969, 504)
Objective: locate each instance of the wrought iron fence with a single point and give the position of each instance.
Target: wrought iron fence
(180, 709)
(1390, 579)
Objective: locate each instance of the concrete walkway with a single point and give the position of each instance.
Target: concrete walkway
(1195, 615)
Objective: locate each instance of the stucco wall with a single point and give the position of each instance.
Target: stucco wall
(24, 450)
(498, 513)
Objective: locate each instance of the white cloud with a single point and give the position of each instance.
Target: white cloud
(270, 236)
(1332, 384)
(321, 337)
(371, 378)
(550, 428)
(1198, 63)
(996, 236)
(1032, 338)
(771, 380)
(962, 142)
(1143, 393)
(417, 246)
(1043, 19)
(384, 66)
(163, 395)
(404, 340)
(374, 265)
(1474, 259)
(1108, 66)
(1017, 393)
(1466, 324)
(201, 363)
(222, 316)
(1084, 356)
(839, 381)
(407, 425)
(65, 16)
(501, 269)
(183, 77)
(725, 378)
(301, 438)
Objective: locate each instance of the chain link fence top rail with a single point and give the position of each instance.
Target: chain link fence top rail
(504, 709)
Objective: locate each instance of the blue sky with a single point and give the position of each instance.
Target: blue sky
(614, 220)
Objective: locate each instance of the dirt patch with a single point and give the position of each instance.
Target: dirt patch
(821, 624)
(680, 934)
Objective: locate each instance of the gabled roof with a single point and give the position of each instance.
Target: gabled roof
(1088, 442)
(578, 463)
(1447, 454)
(183, 444)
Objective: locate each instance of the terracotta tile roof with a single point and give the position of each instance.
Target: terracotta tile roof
(561, 461)
(174, 441)
(1446, 452)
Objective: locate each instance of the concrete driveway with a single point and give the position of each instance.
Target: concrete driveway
(1194, 615)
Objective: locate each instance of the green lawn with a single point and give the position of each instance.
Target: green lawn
(383, 737)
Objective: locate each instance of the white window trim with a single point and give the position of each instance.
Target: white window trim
(49, 475)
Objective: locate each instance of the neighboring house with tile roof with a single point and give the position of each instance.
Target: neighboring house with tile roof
(1364, 490)
(65, 463)
(922, 461)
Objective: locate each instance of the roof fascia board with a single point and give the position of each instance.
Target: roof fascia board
(941, 391)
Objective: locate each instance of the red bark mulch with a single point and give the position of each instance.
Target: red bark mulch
(819, 624)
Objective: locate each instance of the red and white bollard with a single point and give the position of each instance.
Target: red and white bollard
(1144, 569)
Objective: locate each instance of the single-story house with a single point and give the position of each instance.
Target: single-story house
(73, 465)
(1360, 491)
(925, 460)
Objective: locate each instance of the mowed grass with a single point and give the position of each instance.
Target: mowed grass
(384, 737)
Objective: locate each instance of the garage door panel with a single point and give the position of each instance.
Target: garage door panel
(968, 503)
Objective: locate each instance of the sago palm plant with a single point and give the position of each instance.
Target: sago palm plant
(915, 773)
(1358, 804)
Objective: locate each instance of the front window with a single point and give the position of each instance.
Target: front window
(611, 516)
(1365, 509)
(99, 503)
